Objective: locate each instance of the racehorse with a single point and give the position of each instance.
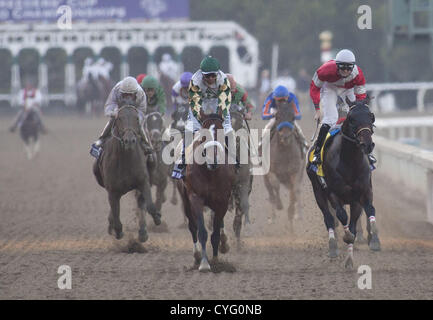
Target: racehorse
(286, 164)
(158, 169)
(209, 184)
(347, 177)
(29, 132)
(122, 168)
(244, 179)
(92, 93)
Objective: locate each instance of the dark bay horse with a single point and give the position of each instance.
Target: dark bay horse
(122, 168)
(208, 184)
(29, 132)
(286, 163)
(158, 170)
(347, 176)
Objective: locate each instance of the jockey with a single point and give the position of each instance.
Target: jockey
(336, 78)
(125, 92)
(156, 100)
(209, 90)
(168, 67)
(30, 98)
(87, 68)
(179, 92)
(140, 77)
(268, 111)
(240, 96)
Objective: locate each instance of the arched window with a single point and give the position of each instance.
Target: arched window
(138, 59)
(222, 54)
(191, 57)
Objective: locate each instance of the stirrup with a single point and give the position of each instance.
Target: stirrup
(316, 159)
(372, 159)
(177, 172)
(95, 150)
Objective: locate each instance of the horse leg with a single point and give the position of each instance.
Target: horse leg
(174, 194)
(349, 236)
(197, 208)
(360, 232)
(272, 196)
(355, 212)
(322, 202)
(373, 234)
(150, 206)
(114, 200)
(142, 232)
(292, 203)
(224, 245)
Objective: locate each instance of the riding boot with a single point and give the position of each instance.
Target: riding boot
(96, 147)
(319, 143)
(179, 165)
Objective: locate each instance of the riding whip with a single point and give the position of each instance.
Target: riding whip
(315, 131)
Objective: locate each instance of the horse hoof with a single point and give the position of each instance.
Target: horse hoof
(374, 243)
(348, 237)
(197, 257)
(348, 264)
(360, 239)
(157, 219)
(119, 235)
(143, 236)
(279, 205)
(224, 248)
(333, 248)
(204, 266)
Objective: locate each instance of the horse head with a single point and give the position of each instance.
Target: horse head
(214, 124)
(237, 116)
(155, 127)
(126, 126)
(285, 121)
(359, 123)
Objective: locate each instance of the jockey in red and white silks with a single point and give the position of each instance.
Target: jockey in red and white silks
(30, 98)
(336, 78)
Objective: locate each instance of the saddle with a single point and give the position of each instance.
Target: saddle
(328, 140)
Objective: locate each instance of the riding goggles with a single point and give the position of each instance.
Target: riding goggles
(345, 66)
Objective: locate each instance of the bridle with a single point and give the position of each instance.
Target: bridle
(355, 139)
(113, 134)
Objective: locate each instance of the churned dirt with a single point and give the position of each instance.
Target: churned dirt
(53, 213)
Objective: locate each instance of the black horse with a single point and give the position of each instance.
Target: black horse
(347, 177)
(29, 132)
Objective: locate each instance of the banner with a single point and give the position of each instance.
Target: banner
(92, 10)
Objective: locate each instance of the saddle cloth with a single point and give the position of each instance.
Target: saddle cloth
(318, 168)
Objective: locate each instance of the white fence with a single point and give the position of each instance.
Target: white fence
(420, 128)
(421, 87)
(409, 166)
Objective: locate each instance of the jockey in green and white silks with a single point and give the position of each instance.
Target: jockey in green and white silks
(208, 92)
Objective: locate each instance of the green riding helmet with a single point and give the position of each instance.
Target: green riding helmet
(209, 65)
(149, 82)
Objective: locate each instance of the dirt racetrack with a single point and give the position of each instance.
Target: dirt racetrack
(53, 213)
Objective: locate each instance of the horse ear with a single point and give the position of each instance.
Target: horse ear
(350, 103)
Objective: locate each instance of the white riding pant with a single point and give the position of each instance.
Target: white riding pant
(328, 102)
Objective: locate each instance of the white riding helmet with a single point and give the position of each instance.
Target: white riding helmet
(128, 85)
(345, 56)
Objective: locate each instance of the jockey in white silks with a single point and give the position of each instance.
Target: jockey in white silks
(209, 92)
(30, 98)
(125, 92)
(169, 67)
